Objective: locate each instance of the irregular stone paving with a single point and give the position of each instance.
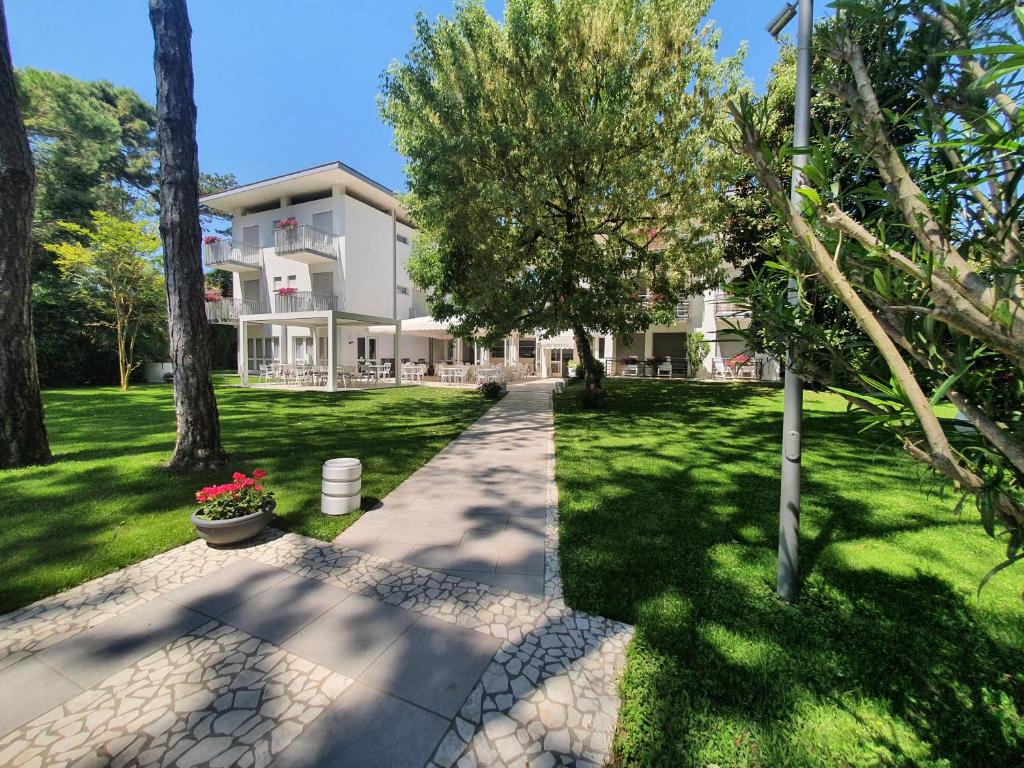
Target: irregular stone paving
(549, 696)
(48, 621)
(216, 697)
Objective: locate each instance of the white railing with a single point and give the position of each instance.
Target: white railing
(304, 238)
(229, 310)
(304, 301)
(221, 252)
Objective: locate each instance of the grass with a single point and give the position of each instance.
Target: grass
(107, 502)
(669, 510)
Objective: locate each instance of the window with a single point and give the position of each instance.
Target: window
(263, 350)
(362, 348)
(527, 349)
(303, 349)
(498, 351)
(402, 239)
(402, 289)
(600, 347)
(251, 235)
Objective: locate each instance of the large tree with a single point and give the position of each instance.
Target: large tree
(198, 435)
(558, 163)
(22, 432)
(915, 238)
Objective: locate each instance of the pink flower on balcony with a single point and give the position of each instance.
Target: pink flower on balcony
(210, 240)
(287, 291)
(287, 224)
(214, 294)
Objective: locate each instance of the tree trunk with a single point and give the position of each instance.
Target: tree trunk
(593, 370)
(22, 432)
(198, 439)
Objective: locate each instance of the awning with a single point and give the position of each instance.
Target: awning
(564, 340)
(417, 326)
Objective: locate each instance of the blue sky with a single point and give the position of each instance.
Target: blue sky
(283, 86)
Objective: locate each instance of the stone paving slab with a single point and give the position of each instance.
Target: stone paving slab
(547, 693)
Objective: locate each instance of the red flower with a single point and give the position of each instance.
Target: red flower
(259, 474)
(238, 476)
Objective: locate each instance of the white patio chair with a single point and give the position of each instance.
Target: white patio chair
(631, 369)
(265, 373)
(665, 368)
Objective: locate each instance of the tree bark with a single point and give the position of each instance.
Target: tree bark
(198, 438)
(593, 370)
(22, 431)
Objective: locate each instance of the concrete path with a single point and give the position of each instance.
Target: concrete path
(477, 509)
(295, 652)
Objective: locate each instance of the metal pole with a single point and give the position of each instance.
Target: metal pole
(789, 498)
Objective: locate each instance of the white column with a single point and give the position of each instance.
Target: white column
(398, 352)
(243, 357)
(332, 354)
(394, 266)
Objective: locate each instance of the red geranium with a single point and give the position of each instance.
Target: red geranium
(210, 240)
(242, 496)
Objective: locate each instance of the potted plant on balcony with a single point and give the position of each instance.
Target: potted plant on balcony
(214, 294)
(234, 511)
(211, 239)
(288, 223)
(287, 291)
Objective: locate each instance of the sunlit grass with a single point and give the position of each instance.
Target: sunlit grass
(107, 501)
(669, 516)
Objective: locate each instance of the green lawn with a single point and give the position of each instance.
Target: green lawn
(107, 502)
(669, 508)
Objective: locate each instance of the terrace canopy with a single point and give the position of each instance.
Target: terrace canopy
(329, 319)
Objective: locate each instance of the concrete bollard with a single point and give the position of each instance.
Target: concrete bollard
(340, 486)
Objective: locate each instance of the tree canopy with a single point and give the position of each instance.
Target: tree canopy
(559, 162)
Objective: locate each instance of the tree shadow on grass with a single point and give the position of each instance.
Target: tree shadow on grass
(669, 505)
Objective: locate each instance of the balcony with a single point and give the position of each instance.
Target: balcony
(681, 310)
(305, 244)
(227, 311)
(304, 301)
(231, 256)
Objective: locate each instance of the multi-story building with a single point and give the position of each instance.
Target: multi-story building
(319, 261)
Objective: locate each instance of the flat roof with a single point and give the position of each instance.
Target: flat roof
(258, 194)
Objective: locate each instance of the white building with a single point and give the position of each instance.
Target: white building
(319, 261)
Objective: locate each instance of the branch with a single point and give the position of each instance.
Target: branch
(951, 306)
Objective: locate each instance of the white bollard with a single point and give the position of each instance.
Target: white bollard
(340, 486)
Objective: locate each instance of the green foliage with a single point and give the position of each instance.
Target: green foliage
(114, 272)
(697, 350)
(913, 194)
(559, 162)
(668, 517)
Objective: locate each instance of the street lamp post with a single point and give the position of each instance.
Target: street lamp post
(789, 498)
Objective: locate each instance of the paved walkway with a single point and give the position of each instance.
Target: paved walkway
(294, 652)
(478, 508)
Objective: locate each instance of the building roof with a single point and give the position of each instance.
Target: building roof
(319, 178)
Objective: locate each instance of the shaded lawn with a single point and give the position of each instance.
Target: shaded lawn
(107, 502)
(669, 520)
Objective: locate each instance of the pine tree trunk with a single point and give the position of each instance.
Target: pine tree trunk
(198, 439)
(22, 432)
(592, 368)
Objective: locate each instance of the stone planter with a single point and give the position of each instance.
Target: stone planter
(221, 532)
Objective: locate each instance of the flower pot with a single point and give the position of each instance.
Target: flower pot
(236, 529)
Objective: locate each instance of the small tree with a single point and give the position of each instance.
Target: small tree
(113, 267)
(697, 349)
(558, 163)
(923, 262)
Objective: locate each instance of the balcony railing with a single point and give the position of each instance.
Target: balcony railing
(681, 311)
(726, 308)
(304, 239)
(304, 301)
(229, 310)
(222, 254)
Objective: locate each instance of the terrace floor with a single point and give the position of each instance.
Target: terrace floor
(294, 652)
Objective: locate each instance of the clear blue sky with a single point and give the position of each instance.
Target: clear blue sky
(283, 86)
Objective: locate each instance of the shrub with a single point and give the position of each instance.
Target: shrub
(168, 377)
(242, 496)
(491, 389)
